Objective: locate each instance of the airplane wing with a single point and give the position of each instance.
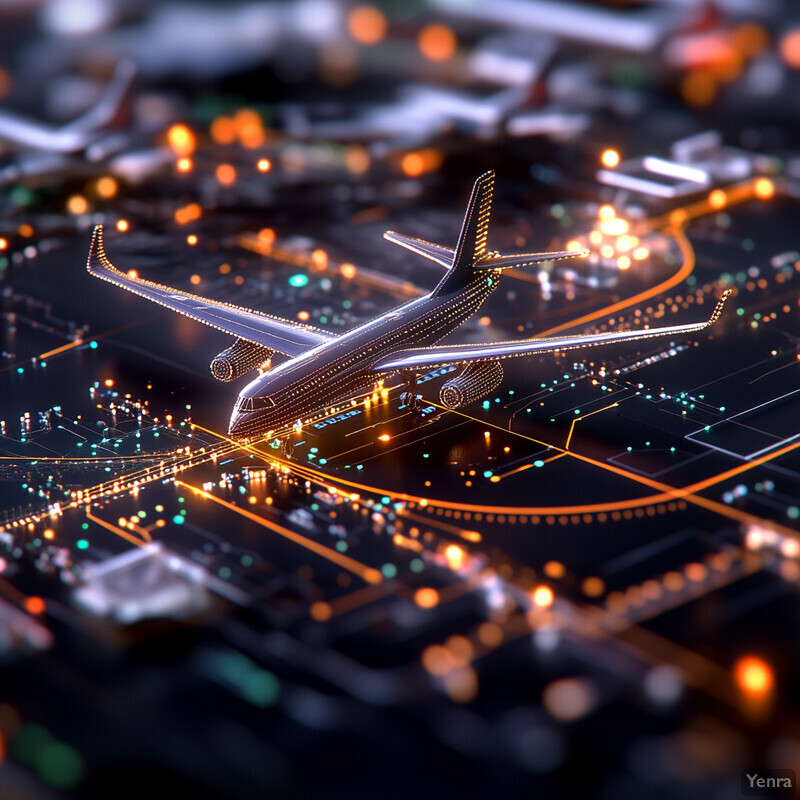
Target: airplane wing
(290, 338)
(425, 358)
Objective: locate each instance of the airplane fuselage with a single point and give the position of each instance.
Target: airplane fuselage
(302, 386)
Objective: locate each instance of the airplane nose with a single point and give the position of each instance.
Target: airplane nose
(236, 424)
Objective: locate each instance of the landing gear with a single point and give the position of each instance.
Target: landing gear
(411, 401)
(409, 397)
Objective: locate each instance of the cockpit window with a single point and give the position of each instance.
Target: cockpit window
(247, 404)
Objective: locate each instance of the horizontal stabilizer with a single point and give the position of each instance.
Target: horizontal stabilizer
(434, 252)
(496, 261)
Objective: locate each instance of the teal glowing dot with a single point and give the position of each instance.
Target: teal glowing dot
(358, 466)
(314, 450)
(487, 474)
(298, 281)
(793, 512)
(538, 463)
(82, 544)
(722, 409)
(181, 499)
(740, 312)
(426, 455)
(341, 547)
(85, 526)
(261, 688)
(20, 370)
(630, 449)
(178, 519)
(417, 565)
(247, 561)
(577, 411)
(389, 570)
(224, 573)
(325, 461)
(486, 404)
(93, 345)
(386, 500)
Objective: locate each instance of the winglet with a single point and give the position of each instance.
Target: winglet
(97, 254)
(717, 312)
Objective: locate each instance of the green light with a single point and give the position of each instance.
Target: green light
(224, 573)
(247, 561)
(20, 370)
(538, 463)
(178, 519)
(417, 565)
(298, 281)
(389, 570)
(83, 544)
(59, 765)
(341, 547)
(85, 526)
(93, 345)
(487, 474)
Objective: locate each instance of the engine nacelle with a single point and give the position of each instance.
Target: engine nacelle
(475, 381)
(239, 358)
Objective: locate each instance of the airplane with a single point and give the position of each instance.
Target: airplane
(323, 369)
(110, 113)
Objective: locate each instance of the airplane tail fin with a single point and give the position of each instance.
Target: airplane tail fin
(470, 255)
(115, 108)
(471, 245)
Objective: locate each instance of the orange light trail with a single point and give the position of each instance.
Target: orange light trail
(369, 574)
(62, 349)
(116, 530)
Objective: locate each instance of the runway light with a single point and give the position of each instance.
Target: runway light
(299, 280)
(623, 262)
(264, 165)
(542, 596)
(348, 271)
(195, 280)
(609, 158)
(184, 165)
(108, 382)
(606, 212)
(753, 676)
(49, 534)
(614, 226)
(191, 239)
(3, 244)
(384, 437)
(122, 225)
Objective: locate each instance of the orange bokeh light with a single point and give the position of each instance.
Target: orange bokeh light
(753, 676)
(437, 42)
(543, 596)
(181, 140)
(367, 24)
(426, 597)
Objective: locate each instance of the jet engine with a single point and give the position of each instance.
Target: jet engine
(239, 358)
(476, 380)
